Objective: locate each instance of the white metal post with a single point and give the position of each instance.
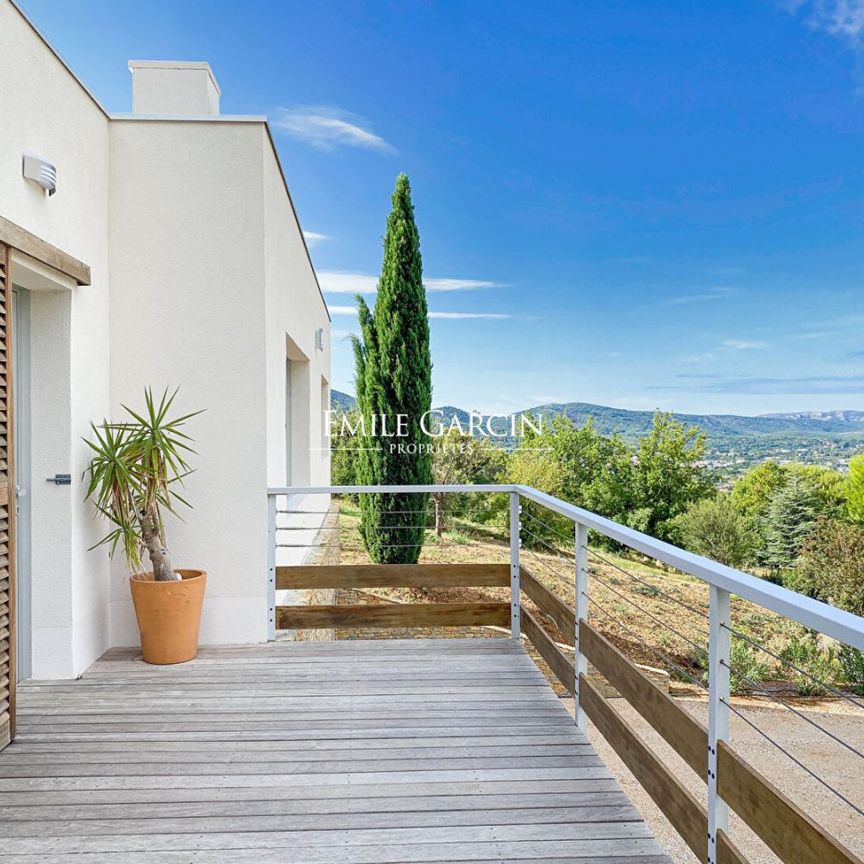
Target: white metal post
(515, 542)
(271, 567)
(718, 709)
(581, 605)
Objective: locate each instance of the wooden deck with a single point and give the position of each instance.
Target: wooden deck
(357, 752)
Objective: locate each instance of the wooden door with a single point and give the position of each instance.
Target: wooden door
(7, 509)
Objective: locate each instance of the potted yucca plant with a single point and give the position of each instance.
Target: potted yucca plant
(133, 474)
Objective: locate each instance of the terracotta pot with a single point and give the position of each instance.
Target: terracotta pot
(169, 614)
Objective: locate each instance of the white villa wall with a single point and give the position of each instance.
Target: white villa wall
(188, 310)
(209, 283)
(293, 307)
(44, 109)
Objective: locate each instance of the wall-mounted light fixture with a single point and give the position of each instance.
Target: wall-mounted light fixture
(319, 338)
(41, 172)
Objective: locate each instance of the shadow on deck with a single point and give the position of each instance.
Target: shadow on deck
(360, 752)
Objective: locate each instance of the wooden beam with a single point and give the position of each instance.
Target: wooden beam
(548, 603)
(790, 833)
(394, 615)
(394, 576)
(687, 736)
(668, 793)
(21, 239)
(561, 667)
(727, 851)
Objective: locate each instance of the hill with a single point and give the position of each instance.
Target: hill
(732, 441)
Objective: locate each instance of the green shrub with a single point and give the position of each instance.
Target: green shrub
(852, 665)
(823, 665)
(745, 665)
(716, 528)
(832, 564)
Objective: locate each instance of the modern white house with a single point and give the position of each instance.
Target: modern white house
(158, 248)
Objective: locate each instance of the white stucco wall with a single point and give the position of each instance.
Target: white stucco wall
(45, 110)
(187, 241)
(294, 308)
(210, 284)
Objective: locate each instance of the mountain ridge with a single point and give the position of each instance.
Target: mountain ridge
(631, 423)
(733, 442)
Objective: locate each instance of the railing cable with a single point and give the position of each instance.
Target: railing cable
(552, 549)
(828, 687)
(567, 580)
(548, 527)
(775, 698)
(654, 618)
(647, 584)
(641, 641)
(797, 761)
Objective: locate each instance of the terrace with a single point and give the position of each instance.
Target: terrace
(420, 750)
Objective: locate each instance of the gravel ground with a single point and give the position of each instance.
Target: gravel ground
(834, 763)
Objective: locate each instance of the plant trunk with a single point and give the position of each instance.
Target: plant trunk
(159, 557)
(438, 500)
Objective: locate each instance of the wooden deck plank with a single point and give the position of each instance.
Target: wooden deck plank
(384, 751)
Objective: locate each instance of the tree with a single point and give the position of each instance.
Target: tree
(577, 464)
(394, 377)
(343, 448)
(854, 488)
(753, 491)
(460, 459)
(832, 564)
(716, 528)
(667, 475)
(792, 515)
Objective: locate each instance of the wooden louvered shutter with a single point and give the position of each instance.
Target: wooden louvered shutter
(7, 510)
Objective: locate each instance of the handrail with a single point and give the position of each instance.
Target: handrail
(814, 614)
(730, 782)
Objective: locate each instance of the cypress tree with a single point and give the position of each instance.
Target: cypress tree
(394, 376)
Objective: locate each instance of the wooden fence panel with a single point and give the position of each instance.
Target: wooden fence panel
(394, 615)
(548, 603)
(561, 667)
(786, 829)
(394, 576)
(687, 736)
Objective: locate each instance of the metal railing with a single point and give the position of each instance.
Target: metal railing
(781, 825)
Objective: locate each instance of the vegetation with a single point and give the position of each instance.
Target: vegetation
(795, 524)
(394, 378)
(132, 476)
(855, 489)
(457, 460)
(716, 528)
(832, 565)
(809, 664)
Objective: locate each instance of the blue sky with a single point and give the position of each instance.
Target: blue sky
(655, 204)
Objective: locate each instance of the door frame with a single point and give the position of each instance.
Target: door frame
(21, 442)
(12, 498)
(14, 238)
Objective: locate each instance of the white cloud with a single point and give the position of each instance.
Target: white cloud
(341, 282)
(448, 316)
(347, 282)
(314, 237)
(458, 316)
(841, 18)
(844, 18)
(699, 297)
(327, 128)
(459, 284)
(743, 344)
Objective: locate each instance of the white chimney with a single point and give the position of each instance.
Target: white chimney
(173, 87)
